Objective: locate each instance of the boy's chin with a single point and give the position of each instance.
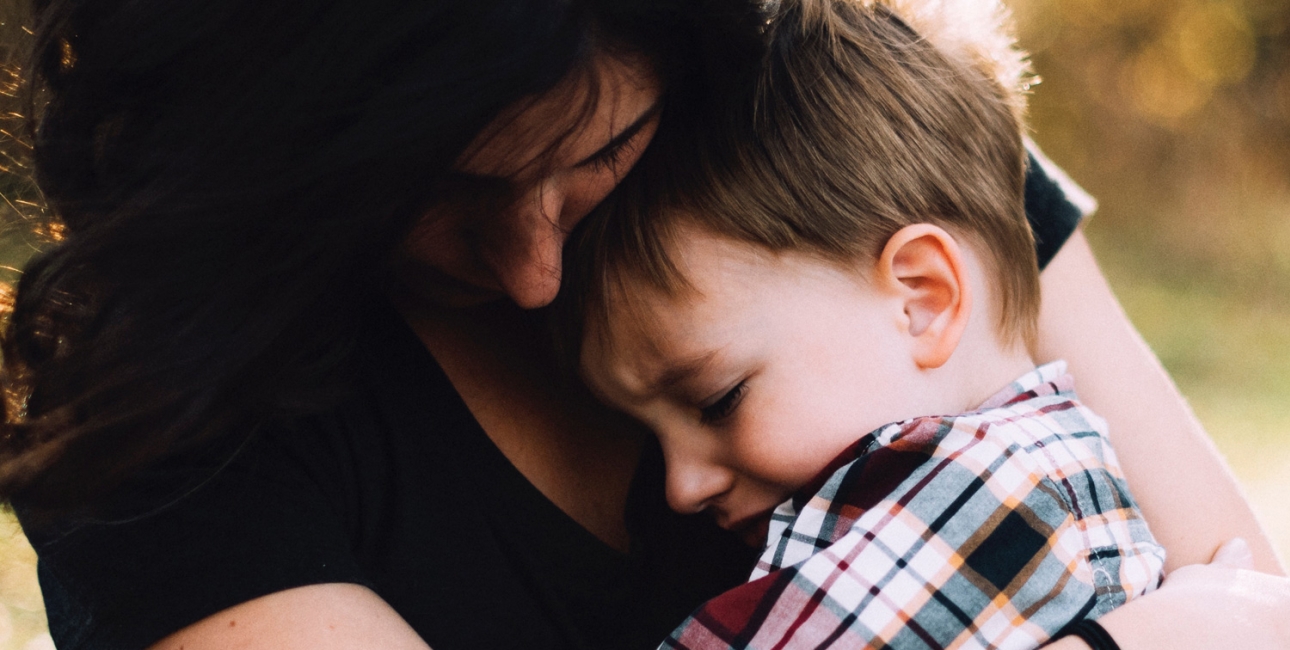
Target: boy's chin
(753, 533)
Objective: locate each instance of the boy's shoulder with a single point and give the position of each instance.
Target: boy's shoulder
(1038, 417)
(1038, 412)
(1033, 447)
(920, 541)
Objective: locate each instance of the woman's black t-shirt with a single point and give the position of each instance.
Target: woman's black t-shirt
(397, 488)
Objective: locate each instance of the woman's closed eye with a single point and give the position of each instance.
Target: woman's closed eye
(608, 158)
(724, 405)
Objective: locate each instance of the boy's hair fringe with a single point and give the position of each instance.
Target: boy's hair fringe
(862, 117)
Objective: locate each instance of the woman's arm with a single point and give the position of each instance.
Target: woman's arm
(1223, 604)
(317, 617)
(1184, 488)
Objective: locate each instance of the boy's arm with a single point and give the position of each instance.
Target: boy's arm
(1181, 483)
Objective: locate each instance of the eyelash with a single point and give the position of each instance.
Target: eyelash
(609, 159)
(725, 405)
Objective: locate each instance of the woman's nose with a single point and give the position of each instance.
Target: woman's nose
(525, 251)
(694, 484)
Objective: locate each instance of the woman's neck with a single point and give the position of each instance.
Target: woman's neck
(577, 453)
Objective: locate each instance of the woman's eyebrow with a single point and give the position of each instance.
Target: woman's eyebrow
(623, 136)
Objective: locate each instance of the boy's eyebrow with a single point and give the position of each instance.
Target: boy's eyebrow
(678, 372)
(624, 135)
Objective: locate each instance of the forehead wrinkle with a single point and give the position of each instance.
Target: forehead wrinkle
(636, 337)
(606, 353)
(650, 373)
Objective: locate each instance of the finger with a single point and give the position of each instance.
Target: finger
(1234, 553)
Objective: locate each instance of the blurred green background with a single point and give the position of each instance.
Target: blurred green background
(1175, 114)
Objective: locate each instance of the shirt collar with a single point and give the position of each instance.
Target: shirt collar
(1048, 379)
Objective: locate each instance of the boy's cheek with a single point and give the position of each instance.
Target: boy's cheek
(790, 455)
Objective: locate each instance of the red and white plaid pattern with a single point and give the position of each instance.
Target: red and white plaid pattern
(990, 529)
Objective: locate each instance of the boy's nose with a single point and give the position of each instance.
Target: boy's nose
(693, 485)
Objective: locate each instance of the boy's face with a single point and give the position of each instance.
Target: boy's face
(757, 378)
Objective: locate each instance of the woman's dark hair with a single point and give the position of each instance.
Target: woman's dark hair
(229, 178)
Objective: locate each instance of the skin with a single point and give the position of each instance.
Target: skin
(582, 458)
(457, 270)
(770, 365)
(480, 249)
(490, 349)
(1227, 603)
(1185, 489)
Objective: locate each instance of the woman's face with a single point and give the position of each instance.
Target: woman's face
(525, 181)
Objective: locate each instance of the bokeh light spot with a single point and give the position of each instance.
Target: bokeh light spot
(1159, 88)
(1282, 96)
(1215, 43)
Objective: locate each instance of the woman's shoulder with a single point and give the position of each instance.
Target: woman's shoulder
(187, 538)
(297, 501)
(1055, 204)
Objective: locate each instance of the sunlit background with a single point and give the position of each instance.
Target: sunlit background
(1175, 114)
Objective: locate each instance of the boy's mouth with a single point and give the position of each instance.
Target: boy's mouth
(751, 530)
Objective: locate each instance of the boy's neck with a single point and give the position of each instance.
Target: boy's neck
(981, 366)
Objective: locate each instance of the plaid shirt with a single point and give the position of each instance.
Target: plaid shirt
(990, 529)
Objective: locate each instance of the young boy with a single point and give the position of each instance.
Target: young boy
(847, 249)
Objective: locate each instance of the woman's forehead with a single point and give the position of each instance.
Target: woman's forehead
(568, 124)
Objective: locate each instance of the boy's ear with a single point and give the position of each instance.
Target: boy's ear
(924, 265)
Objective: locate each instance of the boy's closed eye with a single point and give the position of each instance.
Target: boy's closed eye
(724, 404)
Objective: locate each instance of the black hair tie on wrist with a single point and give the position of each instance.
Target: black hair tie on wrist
(1091, 632)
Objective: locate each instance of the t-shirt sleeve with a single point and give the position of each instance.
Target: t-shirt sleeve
(1055, 205)
(259, 525)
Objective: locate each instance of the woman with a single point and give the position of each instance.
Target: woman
(276, 385)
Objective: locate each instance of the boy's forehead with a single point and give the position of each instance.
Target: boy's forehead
(618, 356)
(640, 310)
(634, 324)
(647, 332)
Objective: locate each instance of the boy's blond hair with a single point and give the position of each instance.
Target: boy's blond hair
(865, 116)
